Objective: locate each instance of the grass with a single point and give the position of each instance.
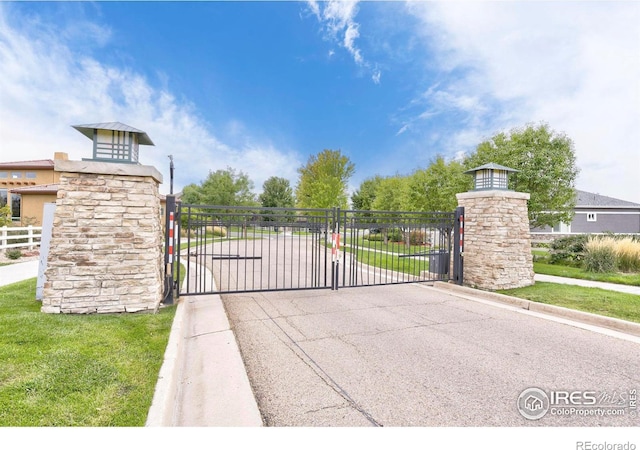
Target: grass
(392, 247)
(631, 279)
(592, 300)
(389, 262)
(76, 370)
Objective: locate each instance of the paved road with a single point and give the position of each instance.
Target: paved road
(411, 355)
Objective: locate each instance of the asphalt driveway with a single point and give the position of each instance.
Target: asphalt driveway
(411, 355)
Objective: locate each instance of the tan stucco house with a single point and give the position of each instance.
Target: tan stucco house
(27, 186)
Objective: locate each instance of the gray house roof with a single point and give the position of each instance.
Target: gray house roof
(589, 199)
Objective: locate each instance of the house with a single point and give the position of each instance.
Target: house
(595, 213)
(27, 186)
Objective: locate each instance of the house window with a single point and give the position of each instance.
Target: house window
(4, 174)
(31, 175)
(562, 228)
(16, 175)
(16, 203)
(3, 197)
(592, 217)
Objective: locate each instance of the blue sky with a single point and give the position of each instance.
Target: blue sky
(261, 86)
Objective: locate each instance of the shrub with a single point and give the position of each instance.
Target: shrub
(417, 238)
(600, 255)
(395, 235)
(5, 215)
(568, 250)
(217, 231)
(627, 252)
(392, 235)
(13, 254)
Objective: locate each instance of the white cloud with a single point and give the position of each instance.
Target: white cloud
(377, 74)
(574, 65)
(338, 20)
(46, 87)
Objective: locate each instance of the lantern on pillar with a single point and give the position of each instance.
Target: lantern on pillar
(114, 141)
(491, 176)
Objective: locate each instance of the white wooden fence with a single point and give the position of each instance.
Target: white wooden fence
(15, 237)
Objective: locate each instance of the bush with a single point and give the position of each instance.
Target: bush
(13, 254)
(393, 235)
(5, 215)
(217, 231)
(600, 255)
(417, 238)
(568, 250)
(627, 252)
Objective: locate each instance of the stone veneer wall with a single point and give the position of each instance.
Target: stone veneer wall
(497, 240)
(106, 246)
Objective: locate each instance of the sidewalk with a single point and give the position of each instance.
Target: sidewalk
(12, 273)
(587, 283)
(203, 381)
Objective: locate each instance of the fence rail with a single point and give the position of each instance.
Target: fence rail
(16, 237)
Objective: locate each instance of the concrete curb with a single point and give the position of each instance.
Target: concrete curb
(162, 407)
(203, 380)
(580, 316)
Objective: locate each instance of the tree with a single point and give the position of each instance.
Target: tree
(435, 188)
(277, 193)
(547, 169)
(222, 187)
(323, 180)
(5, 215)
(392, 194)
(363, 198)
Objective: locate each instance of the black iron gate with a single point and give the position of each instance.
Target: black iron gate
(389, 247)
(232, 249)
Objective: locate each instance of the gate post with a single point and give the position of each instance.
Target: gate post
(458, 246)
(497, 248)
(335, 250)
(177, 227)
(169, 248)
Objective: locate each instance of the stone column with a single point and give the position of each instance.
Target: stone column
(497, 240)
(106, 246)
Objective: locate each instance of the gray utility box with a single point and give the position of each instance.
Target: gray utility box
(439, 262)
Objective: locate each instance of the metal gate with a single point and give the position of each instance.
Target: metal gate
(390, 247)
(233, 249)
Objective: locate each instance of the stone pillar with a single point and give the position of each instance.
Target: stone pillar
(497, 241)
(106, 246)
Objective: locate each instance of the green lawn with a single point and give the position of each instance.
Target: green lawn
(593, 300)
(76, 370)
(391, 262)
(392, 247)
